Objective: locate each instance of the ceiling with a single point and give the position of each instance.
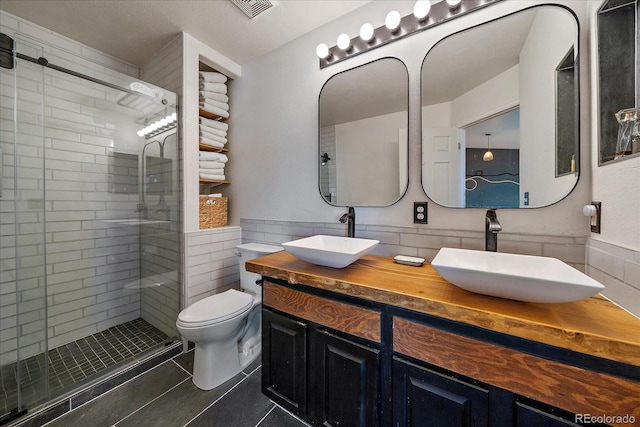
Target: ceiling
(134, 30)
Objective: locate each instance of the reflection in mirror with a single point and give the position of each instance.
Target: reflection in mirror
(363, 139)
(502, 78)
(123, 172)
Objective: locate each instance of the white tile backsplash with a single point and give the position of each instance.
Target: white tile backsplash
(419, 241)
(212, 265)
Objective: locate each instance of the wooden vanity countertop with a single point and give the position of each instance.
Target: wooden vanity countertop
(593, 326)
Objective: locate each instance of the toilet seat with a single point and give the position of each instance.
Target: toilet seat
(215, 309)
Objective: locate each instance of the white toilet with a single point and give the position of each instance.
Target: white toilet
(226, 327)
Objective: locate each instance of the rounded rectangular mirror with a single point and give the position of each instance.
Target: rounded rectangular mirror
(500, 102)
(363, 141)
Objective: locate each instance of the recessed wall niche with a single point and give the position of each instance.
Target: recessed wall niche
(618, 59)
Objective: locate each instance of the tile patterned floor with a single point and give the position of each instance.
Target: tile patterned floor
(76, 362)
(165, 396)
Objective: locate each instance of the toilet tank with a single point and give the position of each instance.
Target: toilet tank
(248, 251)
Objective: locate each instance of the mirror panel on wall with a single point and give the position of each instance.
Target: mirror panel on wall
(363, 138)
(618, 83)
(508, 87)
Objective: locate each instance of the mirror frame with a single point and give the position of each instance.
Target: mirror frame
(406, 143)
(577, 48)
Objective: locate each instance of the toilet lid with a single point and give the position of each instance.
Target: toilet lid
(216, 308)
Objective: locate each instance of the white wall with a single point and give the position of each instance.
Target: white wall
(550, 38)
(613, 256)
(277, 101)
(367, 156)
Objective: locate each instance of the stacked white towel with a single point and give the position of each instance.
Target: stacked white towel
(213, 93)
(213, 133)
(211, 165)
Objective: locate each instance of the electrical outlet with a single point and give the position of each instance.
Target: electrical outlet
(595, 219)
(419, 212)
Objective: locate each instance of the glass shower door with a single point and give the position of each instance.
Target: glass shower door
(90, 233)
(23, 281)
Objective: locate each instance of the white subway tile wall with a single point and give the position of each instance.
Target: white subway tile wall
(212, 263)
(62, 176)
(328, 170)
(418, 241)
(618, 269)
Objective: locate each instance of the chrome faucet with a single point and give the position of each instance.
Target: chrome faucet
(350, 219)
(491, 229)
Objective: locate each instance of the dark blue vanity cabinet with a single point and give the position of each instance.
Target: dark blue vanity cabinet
(336, 360)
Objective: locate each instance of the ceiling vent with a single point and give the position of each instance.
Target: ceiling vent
(253, 8)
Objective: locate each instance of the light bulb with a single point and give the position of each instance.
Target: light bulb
(366, 32)
(164, 122)
(453, 3)
(169, 119)
(344, 42)
(392, 21)
(488, 156)
(421, 9)
(322, 51)
(175, 116)
(140, 132)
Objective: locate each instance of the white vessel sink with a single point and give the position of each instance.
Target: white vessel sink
(517, 277)
(330, 251)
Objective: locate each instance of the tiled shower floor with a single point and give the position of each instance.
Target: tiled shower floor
(74, 362)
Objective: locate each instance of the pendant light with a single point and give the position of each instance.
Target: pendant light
(488, 155)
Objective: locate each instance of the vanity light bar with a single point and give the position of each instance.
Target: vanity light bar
(159, 126)
(436, 14)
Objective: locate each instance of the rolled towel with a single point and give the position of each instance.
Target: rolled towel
(212, 77)
(214, 195)
(220, 97)
(211, 143)
(210, 176)
(210, 155)
(214, 110)
(214, 124)
(213, 137)
(216, 104)
(214, 87)
(213, 131)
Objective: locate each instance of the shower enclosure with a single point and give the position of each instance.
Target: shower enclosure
(90, 230)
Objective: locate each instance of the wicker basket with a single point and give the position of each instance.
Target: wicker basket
(213, 212)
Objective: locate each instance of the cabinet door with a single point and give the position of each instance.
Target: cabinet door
(284, 343)
(344, 379)
(526, 416)
(422, 397)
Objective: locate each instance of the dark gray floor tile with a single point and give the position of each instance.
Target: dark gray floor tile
(185, 360)
(252, 366)
(281, 418)
(178, 406)
(244, 406)
(114, 406)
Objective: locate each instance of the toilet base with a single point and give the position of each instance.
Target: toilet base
(214, 363)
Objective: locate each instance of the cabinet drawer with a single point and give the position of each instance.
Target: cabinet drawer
(351, 319)
(557, 384)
